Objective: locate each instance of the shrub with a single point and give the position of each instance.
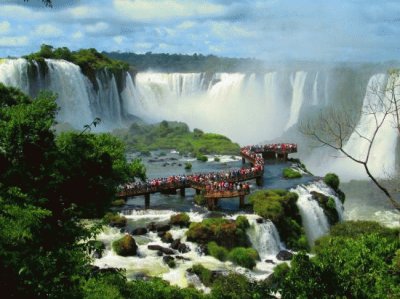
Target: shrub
(202, 158)
(332, 180)
(219, 252)
(126, 246)
(199, 199)
(245, 257)
(118, 203)
(114, 219)
(242, 222)
(354, 229)
(290, 173)
(217, 159)
(204, 274)
(96, 247)
(181, 219)
(188, 165)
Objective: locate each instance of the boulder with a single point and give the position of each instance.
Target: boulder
(284, 255)
(260, 220)
(181, 219)
(126, 246)
(183, 248)
(170, 261)
(179, 257)
(139, 231)
(270, 262)
(163, 227)
(164, 250)
(175, 244)
(167, 237)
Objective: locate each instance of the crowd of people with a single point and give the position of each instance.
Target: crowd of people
(227, 180)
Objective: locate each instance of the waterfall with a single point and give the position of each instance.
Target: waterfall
(314, 220)
(315, 91)
(67, 80)
(264, 237)
(298, 81)
(14, 72)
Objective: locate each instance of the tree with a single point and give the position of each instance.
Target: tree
(333, 127)
(47, 3)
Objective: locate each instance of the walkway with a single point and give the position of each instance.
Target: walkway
(214, 185)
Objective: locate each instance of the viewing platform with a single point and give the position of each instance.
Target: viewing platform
(213, 186)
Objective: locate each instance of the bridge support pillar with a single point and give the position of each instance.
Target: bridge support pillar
(182, 191)
(147, 201)
(241, 201)
(243, 160)
(212, 203)
(197, 191)
(259, 181)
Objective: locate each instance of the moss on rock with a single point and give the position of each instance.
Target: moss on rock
(290, 173)
(245, 257)
(280, 207)
(328, 205)
(126, 246)
(114, 219)
(181, 219)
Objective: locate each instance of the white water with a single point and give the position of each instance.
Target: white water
(314, 220)
(264, 237)
(298, 81)
(13, 72)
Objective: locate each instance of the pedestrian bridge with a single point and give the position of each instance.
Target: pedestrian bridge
(213, 186)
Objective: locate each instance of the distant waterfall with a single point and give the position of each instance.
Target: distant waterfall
(298, 81)
(13, 72)
(264, 237)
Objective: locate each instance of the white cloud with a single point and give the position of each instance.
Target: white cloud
(186, 25)
(4, 27)
(118, 39)
(14, 41)
(152, 10)
(77, 35)
(84, 12)
(97, 27)
(48, 30)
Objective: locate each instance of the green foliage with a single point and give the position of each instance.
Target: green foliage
(242, 222)
(280, 207)
(96, 246)
(115, 219)
(290, 173)
(181, 219)
(224, 232)
(217, 159)
(175, 135)
(202, 158)
(328, 205)
(126, 246)
(219, 252)
(237, 286)
(332, 180)
(187, 63)
(199, 199)
(203, 273)
(245, 257)
(118, 203)
(355, 261)
(188, 165)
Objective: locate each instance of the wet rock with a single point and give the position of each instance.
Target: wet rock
(163, 227)
(152, 226)
(164, 250)
(284, 255)
(270, 262)
(260, 220)
(175, 244)
(170, 261)
(139, 231)
(183, 248)
(179, 257)
(166, 237)
(126, 246)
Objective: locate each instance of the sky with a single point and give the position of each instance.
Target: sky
(272, 30)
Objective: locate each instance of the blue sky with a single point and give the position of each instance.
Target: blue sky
(273, 30)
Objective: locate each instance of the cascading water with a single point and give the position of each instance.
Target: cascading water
(13, 72)
(264, 237)
(298, 81)
(314, 220)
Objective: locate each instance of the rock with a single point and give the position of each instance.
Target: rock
(167, 237)
(175, 244)
(170, 261)
(260, 220)
(270, 261)
(139, 231)
(183, 248)
(181, 219)
(179, 257)
(126, 246)
(284, 255)
(163, 227)
(152, 227)
(164, 250)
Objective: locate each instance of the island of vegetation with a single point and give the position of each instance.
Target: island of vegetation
(144, 138)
